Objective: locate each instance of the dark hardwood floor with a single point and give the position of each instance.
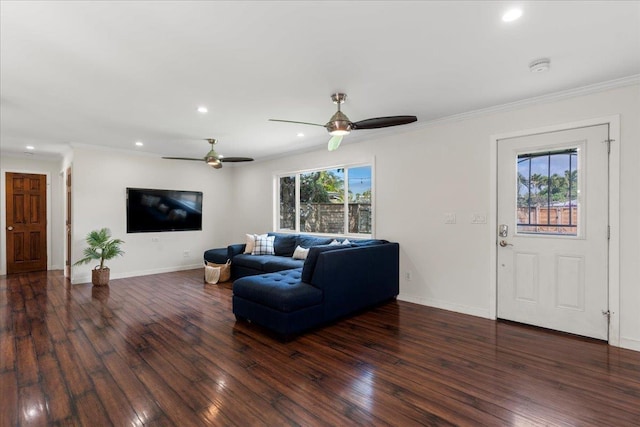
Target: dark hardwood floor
(166, 350)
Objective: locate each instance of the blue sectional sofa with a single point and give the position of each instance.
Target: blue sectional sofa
(290, 296)
(249, 265)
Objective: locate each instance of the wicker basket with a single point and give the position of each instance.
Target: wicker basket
(100, 277)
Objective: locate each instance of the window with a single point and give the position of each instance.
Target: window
(548, 193)
(335, 201)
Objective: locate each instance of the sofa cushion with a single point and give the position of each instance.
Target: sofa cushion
(251, 261)
(312, 259)
(279, 263)
(250, 242)
(367, 242)
(282, 291)
(264, 245)
(284, 244)
(309, 241)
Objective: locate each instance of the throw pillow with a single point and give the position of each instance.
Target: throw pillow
(251, 242)
(264, 245)
(334, 242)
(300, 253)
(346, 242)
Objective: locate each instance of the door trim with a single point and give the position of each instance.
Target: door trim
(614, 213)
(3, 216)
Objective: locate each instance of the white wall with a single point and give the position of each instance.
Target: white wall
(55, 228)
(445, 168)
(100, 179)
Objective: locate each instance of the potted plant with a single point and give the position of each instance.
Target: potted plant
(101, 247)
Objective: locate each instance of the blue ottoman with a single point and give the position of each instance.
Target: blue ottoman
(279, 301)
(219, 256)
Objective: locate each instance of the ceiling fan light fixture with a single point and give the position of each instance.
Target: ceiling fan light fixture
(339, 124)
(339, 132)
(213, 159)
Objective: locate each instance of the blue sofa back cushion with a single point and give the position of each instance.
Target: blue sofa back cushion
(367, 242)
(312, 259)
(310, 241)
(284, 244)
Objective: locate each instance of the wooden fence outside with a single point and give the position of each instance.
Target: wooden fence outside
(552, 219)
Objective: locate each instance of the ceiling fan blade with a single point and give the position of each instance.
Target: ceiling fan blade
(334, 142)
(291, 121)
(383, 122)
(236, 159)
(184, 158)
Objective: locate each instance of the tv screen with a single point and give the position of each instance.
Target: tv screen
(150, 210)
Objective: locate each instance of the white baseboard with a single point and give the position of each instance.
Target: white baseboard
(86, 278)
(458, 308)
(630, 344)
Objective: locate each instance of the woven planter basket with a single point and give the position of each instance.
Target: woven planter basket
(100, 277)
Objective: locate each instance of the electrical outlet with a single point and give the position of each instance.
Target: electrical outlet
(449, 218)
(185, 254)
(155, 239)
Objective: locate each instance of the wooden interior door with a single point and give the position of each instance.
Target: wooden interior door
(26, 222)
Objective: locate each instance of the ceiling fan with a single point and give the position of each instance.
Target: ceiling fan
(339, 125)
(212, 158)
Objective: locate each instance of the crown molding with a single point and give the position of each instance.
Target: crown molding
(555, 96)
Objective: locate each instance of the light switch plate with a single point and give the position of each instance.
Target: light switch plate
(449, 218)
(478, 218)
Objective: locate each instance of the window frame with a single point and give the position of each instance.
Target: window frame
(580, 147)
(297, 173)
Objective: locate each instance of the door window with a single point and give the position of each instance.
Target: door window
(548, 191)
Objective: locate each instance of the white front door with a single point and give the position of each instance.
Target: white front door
(553, 230)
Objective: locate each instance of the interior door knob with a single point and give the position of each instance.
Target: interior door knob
(504, 243)
(10, 228)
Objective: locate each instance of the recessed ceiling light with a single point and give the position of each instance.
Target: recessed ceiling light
(511, 15)
(202, 109)
(300, 134)
(30, 147)
(139, 143)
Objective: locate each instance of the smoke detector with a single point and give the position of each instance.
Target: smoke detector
(540, 65)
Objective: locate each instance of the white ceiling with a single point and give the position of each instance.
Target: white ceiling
(111, 73)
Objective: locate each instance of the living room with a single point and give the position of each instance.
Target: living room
(424, 172)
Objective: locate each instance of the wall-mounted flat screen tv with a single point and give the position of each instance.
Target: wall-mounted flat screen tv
(150, 210)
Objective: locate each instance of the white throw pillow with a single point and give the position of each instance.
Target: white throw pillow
(300, 253)
(264, 245)
(334, 242)
(346, 242)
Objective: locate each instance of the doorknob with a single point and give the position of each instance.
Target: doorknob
(504, 243)
(10, 228)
